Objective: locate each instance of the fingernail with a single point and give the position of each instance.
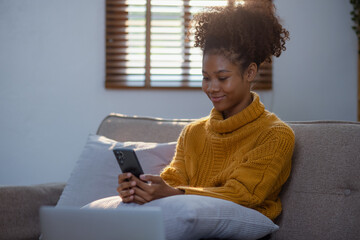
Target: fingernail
(131, 191)
(129, 175)
(133, 183)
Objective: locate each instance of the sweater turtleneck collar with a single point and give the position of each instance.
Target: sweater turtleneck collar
(249, 114)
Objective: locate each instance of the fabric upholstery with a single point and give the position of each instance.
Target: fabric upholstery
(321, 199)
(95, 174)
(199, 217)
(123, 128)
(19, 209)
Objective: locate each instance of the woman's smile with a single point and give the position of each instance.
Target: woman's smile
(216, 99)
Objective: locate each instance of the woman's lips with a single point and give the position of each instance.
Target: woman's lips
(216, 98)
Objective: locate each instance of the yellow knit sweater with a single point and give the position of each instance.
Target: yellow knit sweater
(245, 158)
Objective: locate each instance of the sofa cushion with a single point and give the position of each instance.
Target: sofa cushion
(95, 173)
(200, 217)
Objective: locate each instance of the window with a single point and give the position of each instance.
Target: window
(147, 45)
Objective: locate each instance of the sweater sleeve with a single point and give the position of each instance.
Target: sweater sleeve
(251, 178)
(175, 173)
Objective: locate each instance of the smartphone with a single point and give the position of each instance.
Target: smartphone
(128, 161)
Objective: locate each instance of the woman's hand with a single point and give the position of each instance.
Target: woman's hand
(145, 189)
(126, 185)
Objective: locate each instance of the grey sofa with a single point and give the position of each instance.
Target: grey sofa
(321, 199)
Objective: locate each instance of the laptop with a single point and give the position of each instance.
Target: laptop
(60, 223)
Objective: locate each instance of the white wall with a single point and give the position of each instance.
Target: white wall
(52, 91)
(316, 78)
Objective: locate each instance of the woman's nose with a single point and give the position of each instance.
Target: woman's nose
(213, 86)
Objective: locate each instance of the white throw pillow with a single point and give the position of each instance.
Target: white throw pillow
(195, 217)
(95, 173)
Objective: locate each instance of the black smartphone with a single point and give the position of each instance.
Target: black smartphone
(128, 161)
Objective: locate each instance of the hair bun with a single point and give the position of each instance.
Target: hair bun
(248, 30)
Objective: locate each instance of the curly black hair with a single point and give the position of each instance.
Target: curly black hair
(244, 33)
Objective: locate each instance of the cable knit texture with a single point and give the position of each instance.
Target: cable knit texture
(245, 158)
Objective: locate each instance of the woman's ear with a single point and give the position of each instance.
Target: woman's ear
(251, 72)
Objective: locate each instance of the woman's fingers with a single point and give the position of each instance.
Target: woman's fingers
(146, 194)
(132, 195)
(148, 183)
(124, 177)
(151, 178)
(139, 200)
(125, 188)
(128, 199)
(126, 185)
(143, 190)
(126, 193)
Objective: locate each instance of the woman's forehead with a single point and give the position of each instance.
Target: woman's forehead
(217, 63)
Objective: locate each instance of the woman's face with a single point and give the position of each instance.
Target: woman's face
(226, 87)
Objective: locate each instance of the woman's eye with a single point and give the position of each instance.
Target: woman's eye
(223, 78)
(205, 78)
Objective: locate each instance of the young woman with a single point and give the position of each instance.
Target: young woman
(240, 152)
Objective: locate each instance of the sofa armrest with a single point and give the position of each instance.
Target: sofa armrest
(19, 208)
